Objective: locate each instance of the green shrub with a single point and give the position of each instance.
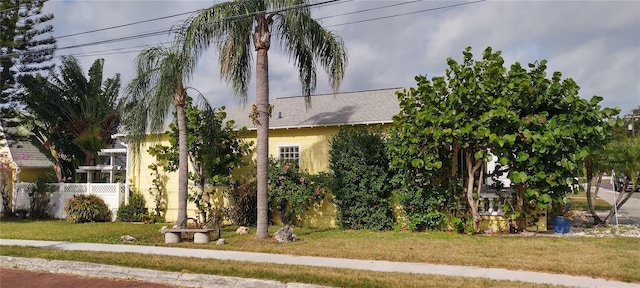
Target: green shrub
(135, 211)
(425, 207)
(358, 158)
(87, 208)
(40, 196)
(243, 202)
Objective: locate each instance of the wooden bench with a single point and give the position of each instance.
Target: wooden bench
(174, 235)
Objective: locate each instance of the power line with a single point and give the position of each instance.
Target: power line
(407, 13)
(128, 24)
(109, 51)
(160, 32)
(174, 15)
(153, 33)
(367, 10)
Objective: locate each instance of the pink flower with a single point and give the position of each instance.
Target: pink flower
(318, 191)
(286, 166)
(280, 187)
(301, 179)
(280, 177)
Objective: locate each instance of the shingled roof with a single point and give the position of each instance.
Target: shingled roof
(23, 152)
(347, 108)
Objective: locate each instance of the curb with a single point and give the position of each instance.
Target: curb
(146, 275)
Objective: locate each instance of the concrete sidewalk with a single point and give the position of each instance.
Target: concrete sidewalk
(382, 266)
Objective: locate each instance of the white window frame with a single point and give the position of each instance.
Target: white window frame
(290, 145)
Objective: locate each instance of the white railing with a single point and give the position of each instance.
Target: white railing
(112, 194)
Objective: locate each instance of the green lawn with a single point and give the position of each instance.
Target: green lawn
(579, 202)
(284, 273)
(574, 256)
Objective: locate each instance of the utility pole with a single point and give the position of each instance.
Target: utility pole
(631, 126)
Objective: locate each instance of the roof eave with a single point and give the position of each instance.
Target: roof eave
(322, 125)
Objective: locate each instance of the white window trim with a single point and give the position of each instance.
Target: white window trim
(281, 145)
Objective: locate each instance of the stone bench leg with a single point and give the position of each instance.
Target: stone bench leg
(199, 237)
(172, 237)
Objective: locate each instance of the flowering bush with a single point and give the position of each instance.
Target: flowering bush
(291, 192)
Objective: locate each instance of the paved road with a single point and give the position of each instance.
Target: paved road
(630, 211)
(383, 266)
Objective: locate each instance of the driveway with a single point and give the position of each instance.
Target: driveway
(34, 279)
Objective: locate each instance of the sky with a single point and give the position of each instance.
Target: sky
(597, 43)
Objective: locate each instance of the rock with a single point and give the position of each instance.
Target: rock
(163, 229)
(242, 230)
(285, 234)
(127, 238)
(221, 241)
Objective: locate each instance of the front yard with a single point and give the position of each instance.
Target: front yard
(612, 258)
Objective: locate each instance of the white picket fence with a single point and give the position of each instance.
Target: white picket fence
(112, 194)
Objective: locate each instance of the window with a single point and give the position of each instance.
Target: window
(290, 154)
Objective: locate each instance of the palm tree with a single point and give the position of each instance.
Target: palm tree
(233, 26)
(157, 87)
(73, 109)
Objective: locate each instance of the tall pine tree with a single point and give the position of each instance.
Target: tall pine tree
(26, 46)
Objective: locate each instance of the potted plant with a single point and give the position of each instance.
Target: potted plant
(562, 216)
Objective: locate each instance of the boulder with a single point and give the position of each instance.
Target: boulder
(221, 241)
(242, 230)
(127, 238)
(285, 234)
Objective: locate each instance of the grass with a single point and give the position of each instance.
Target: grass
(284, 273)
(579, 202)
(612, 258)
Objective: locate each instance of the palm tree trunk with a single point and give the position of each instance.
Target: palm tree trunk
(262, 103)
(262, 42)
(183, 160)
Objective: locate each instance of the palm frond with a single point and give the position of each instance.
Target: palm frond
(151, 94)
(227, 26)
(306, 42)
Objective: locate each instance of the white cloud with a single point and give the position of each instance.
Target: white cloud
(595, 43)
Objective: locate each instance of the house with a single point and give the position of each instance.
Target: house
(28, 159)
(301, 133)
(31, 162)
(297, 132)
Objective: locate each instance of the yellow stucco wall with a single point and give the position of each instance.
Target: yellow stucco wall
(31, 174)
(141, 179)
(313, 142)
(314, 154)
(314, 158)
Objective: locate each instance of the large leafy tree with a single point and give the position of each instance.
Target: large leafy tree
(69, 108)
(25, 45)
(233, 27)
(214, 146)
(555, 131)
(538, 127)
(445, 128)
(157, 87)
